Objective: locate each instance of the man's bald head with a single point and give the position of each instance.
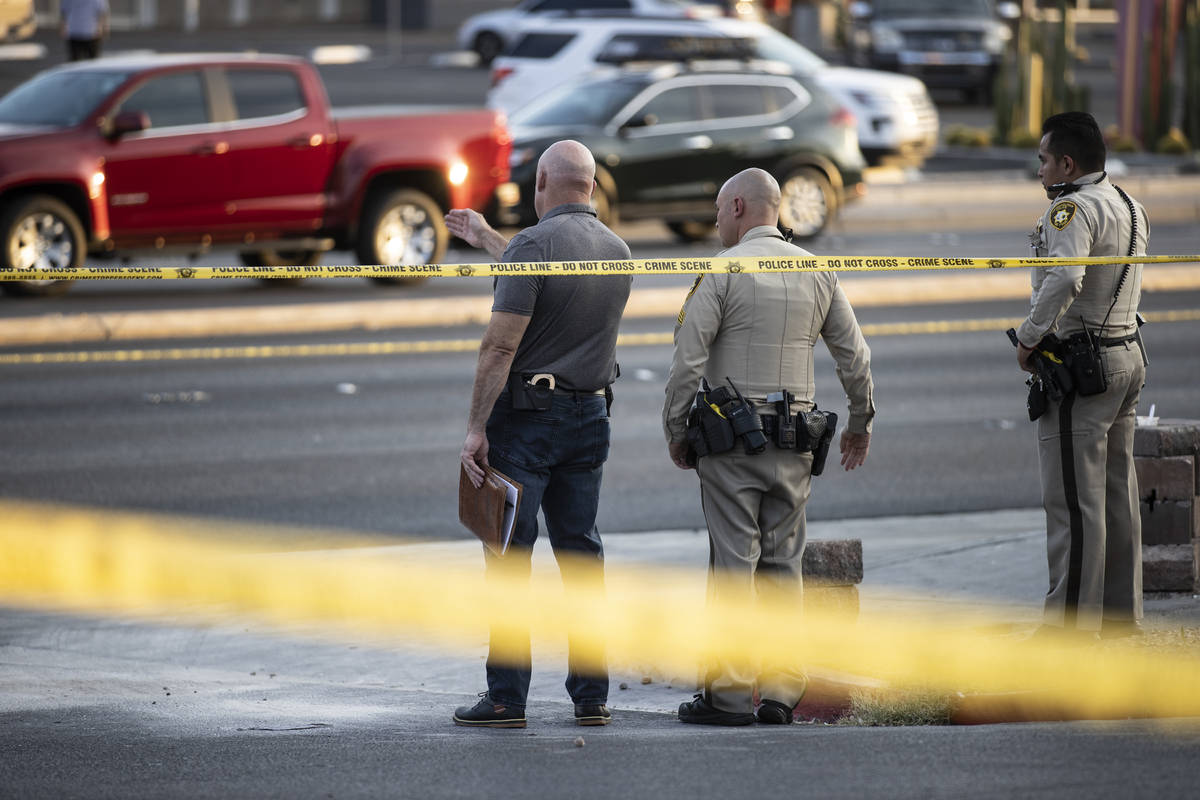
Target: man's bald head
(566, 173)
(747, 200)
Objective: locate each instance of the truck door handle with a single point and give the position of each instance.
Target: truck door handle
(305, 141)
(700, 142)
(780, 134)
(211, 149)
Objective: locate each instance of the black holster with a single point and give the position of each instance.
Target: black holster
(528, 396)
(1081, 353)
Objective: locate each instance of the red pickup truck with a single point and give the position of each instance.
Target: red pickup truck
(186, 152)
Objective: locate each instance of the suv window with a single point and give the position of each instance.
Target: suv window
(264, 92)
(672, 47)
(681, 104)
(540, 45)
(573, 5)
(737, 100)
(171, 100)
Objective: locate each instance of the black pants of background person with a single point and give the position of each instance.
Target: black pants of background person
(81, 49)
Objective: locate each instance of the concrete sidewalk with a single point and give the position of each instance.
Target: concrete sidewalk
(235, 674)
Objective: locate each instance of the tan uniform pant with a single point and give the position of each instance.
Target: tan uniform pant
(754, 507)
(1090, 493)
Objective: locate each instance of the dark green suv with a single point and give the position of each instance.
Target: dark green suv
(666, 138)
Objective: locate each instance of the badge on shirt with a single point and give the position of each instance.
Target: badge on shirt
(1062, 214)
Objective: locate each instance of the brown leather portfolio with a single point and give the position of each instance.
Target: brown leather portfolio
(489, 512)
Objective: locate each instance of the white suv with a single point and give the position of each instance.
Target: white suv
(894, 112)
(489, 33)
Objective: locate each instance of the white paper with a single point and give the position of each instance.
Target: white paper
(510, 512)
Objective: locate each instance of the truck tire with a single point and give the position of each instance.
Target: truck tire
(403, 226)
(39, 232)
(487, 46)
(691, 230)
(808, 202)
(281, 258)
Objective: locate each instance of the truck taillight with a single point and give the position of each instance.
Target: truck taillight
(843, 118)
(499, 74)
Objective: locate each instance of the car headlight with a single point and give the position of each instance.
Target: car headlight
(887, 40)
(521, 155)
(995, 39)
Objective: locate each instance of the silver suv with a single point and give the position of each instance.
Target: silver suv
(956, 44)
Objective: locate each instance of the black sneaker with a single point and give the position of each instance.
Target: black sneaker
(487, 714)
(699, 712)
(592, 714)
(772, 712)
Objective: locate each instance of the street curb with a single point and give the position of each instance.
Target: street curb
(370, 315)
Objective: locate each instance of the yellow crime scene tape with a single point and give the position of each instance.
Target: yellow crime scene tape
(81, 559)
(640, 266)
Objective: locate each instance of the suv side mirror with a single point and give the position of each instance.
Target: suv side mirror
(1008, 11)
(859, 10)
(127, 122)
(640, 121)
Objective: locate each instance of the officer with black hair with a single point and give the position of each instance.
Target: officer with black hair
(739, 405)
(1086, 317)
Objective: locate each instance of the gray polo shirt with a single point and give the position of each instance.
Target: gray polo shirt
(573, 320)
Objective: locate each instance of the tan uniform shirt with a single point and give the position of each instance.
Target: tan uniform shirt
(759, 330)
(1093, 221)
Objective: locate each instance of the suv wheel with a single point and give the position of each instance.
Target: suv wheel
(403, 226)
(808, 202)
(39, 232)
(691, 230)
(280, 258)
(488, 46)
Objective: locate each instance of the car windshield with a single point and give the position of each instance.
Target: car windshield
(587, 103)
(59, 99)
(772, 45)
(887, 9)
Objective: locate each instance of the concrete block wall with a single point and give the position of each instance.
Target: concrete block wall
(1165, 457)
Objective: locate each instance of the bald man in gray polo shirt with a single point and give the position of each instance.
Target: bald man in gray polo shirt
(551, 343)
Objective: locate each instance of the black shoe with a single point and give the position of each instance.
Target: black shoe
(592, 714)
(487, 714)
(699, 712)
(772, 712)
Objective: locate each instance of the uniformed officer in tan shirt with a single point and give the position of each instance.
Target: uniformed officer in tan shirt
(1085, 443)
(758, 330)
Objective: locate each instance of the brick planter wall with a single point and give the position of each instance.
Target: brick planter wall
(1165, 456)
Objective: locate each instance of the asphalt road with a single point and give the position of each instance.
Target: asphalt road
(370, 442)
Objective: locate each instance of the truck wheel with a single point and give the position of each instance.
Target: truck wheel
(691, 230)
(404, 226)
(39, 232)
(808, 202)
(281, 258)
(488, 46)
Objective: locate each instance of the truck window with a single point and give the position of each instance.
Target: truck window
(170, 100)
(265, 92)
(58, 99)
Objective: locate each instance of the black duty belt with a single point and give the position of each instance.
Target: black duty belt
(1118, 340)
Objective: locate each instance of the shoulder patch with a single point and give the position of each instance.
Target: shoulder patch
(692, 291)
(1062, 214)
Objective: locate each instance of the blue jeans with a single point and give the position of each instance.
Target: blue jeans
(558, 456)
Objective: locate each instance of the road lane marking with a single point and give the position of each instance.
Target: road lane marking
(432, 346)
